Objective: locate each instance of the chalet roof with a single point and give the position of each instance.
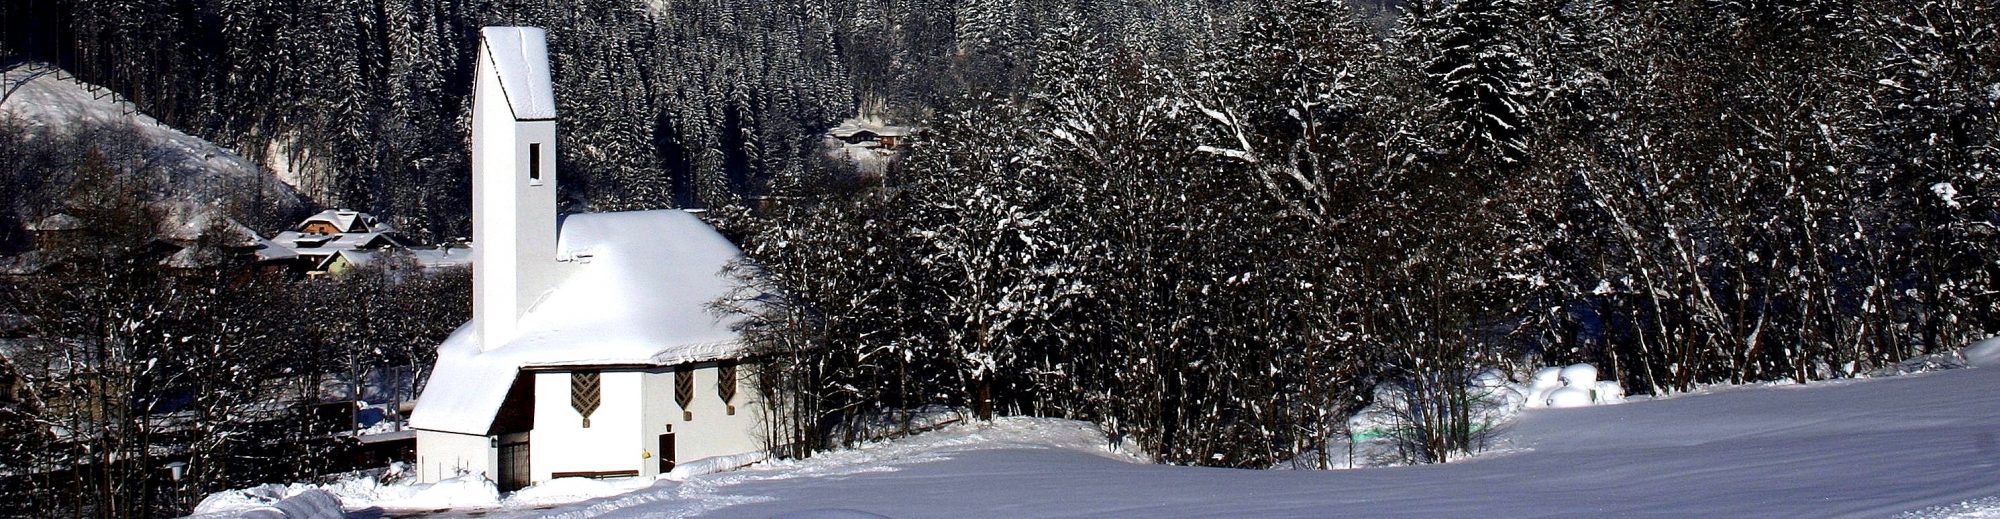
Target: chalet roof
(361, 240)
(852, 128)
(520, 56)
(268, 250)
(305, 243)
(639, 295)
(358, 258)
(347, 221)
(301, 240)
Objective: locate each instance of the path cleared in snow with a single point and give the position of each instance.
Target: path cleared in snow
(1925, 446)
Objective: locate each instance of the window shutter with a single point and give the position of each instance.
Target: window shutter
(725, 386)
(584, 393)
(684, 391)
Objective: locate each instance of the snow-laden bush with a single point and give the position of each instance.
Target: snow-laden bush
(1406, 417)
(1569, 397)
(1575, 385)
(1377, 432)
(1579, 375)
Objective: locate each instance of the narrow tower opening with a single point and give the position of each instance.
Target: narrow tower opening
(535, 163)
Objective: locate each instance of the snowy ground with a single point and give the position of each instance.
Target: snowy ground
(1921, 446)
(1925, 445)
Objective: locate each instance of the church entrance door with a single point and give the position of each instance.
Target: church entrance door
(666, 453)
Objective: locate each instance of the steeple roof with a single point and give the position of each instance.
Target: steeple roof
(520, 56)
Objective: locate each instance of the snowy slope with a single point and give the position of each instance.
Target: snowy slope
(201, 171)
(1927, 445)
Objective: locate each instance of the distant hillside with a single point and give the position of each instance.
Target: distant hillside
(43, 101)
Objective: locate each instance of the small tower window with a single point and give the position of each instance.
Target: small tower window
(535, 163)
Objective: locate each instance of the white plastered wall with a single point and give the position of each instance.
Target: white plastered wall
(712, 431)
(444, 455)
(560, 442)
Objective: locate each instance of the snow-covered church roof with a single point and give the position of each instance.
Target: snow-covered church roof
(520, 56)
(639, 295)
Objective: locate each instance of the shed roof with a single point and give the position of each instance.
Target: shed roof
(639, 296)
(857, 128)
(520, 56)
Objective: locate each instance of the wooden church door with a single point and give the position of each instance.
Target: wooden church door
(667, 451)
(514, 471)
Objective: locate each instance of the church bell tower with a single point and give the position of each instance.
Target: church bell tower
(513, 181)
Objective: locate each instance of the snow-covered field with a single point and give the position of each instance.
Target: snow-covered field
(1921, 446)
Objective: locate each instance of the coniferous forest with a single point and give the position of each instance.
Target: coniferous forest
(1214, 227)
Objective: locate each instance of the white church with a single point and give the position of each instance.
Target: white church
(591, 351)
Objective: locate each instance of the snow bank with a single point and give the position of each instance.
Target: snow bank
(713, 464)
(386, 489)
(237, 501)
(309, 504)
(469, 490)
(1004, 432)
(569, 490)
(1984, 354)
